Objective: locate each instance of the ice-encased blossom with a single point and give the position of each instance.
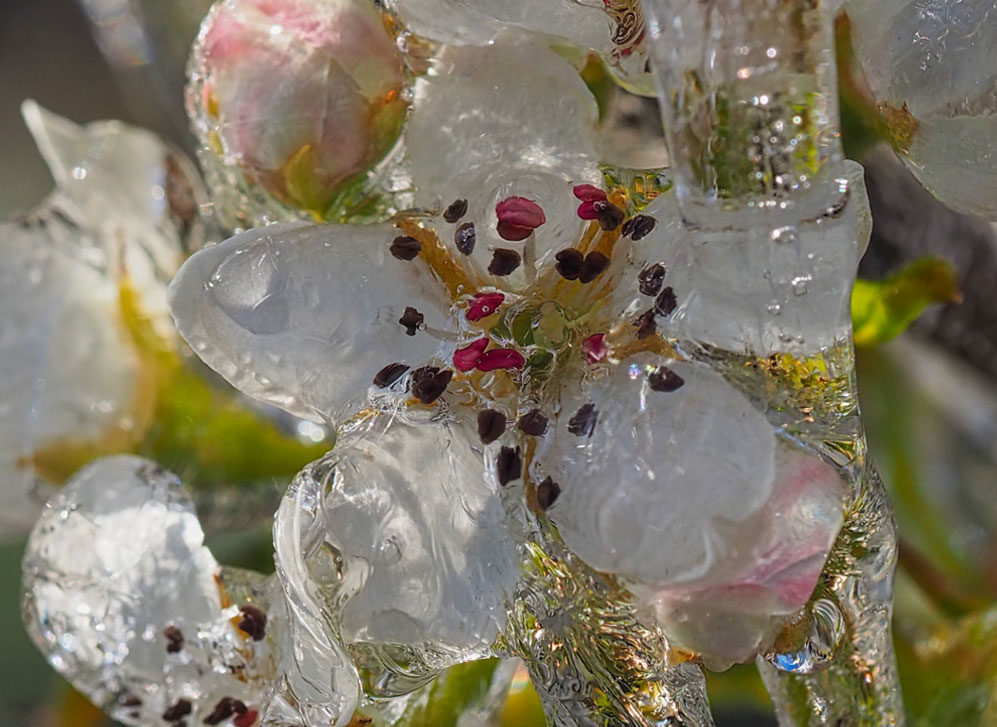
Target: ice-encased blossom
(932, 67)
(125, 204)
(614, 28)
(306, 317)
(301, 95)
(125, 601)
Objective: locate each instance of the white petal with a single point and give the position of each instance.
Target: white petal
(664, 489)
(116, 558)
(457, 22)
(304, 316)
(69, 370)
(426, 561)
(513, 119)
(776, 286)
(137, 198)
(790, 539)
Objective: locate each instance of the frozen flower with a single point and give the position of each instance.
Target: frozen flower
(126, 602)
(124, 202)
(510, 363)
(92, 362)
(614, 28)
(932, 69)
(303, 95)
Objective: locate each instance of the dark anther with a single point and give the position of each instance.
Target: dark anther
(504, 261)
(666, 302)
(650, 279)
(533, 423)
(174, 639)
(594, 266)
(411, 319)
(130, 700)
(455, 211)
(639, 227)
(464, 238)
(491, 425)
(646, 325)
(569, 263)
(222, 711)
(582, 424)
(429, 383)
(239, 707)
(254, 622)
(178, 711)
(664, 379)
(547, 492)
(609, 215)
(509, 465)
(389, 374)
(405, 247)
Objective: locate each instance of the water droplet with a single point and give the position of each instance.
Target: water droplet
(801, 284)
(774, 308)
(784, 235)
(826, 629)
(391, 551)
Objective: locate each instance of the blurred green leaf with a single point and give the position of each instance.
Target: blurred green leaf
(450, 694)
(882, 310)
(204, 434)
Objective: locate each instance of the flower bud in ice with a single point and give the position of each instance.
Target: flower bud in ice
(302, 94)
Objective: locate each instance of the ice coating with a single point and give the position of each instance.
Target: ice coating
(125, 205)
(303, 316)
(614, 28)
(480, 109)
(426, 559)
(125, 601)
(783, 285)
(648, 490)
(736, 185)
(932, 67)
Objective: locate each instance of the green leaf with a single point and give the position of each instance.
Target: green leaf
(450, 695)
(882, 310)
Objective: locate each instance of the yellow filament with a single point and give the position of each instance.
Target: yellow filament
(439, 259)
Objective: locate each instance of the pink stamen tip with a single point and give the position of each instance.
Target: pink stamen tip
(465, 359)
(520, 212)
(587, 210)
(501, 358)
(594, 347)
(483, 305)
(589, 193)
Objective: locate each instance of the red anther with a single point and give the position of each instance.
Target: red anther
(587, 211)
(594, 347)
(501, 358)
(483, 305)
(588, 193)
(465, 359)
(518, 217)
(246, 719)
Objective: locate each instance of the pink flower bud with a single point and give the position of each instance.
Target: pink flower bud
(518, 217)
(303, 94)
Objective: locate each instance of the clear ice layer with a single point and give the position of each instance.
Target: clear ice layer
(125, 205)
(125, 601)
(932, 67)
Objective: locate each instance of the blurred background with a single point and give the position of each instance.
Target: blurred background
(929, 396)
